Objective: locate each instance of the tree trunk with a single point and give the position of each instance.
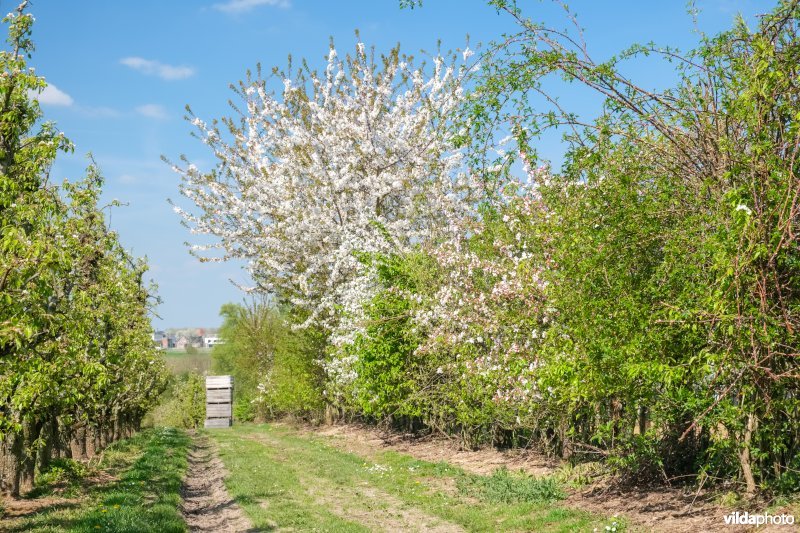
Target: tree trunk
(331, 415)
(642, 420)
(48, 435)
(78, 444)
(27, 472)
(90, 441)
(130, 426)
(102, 437)
(563, 435)
(745, 460)
(62, 449)
(14, 447)
(117, 431)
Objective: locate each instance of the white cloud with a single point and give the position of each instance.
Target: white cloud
(156, 68)
(152, 111)
(52, 95)
(127, 179)
(241, 6)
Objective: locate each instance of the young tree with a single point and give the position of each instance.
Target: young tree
(274, 365)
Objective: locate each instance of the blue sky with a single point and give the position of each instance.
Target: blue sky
(123, 71)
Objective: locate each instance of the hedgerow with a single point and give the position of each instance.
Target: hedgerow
(641, 304)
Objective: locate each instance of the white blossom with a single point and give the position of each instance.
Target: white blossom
(357, 159)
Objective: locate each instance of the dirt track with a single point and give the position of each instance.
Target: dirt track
(207, 507)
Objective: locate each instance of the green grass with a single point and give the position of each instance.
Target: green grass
(63, 477)
(145, 495)
(180, 362)
(184, 351)
(504, 487)
(284, 478)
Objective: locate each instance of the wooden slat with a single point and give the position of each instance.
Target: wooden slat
(219, 382)
(217, 410)
(218, 423)
(219, 396)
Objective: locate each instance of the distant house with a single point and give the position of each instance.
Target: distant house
(158, 339)
(182, 342)
(163, 340)
(211, 341)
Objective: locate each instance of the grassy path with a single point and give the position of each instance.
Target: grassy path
(286, 479)
(135, 489)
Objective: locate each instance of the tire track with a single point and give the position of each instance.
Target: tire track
(207, 506)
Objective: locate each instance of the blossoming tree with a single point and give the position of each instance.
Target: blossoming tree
(358, 159)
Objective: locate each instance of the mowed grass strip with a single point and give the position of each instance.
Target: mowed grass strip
(269, 490)
(145, 496)
(285, 478)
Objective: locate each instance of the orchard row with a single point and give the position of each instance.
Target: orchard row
(77, 366)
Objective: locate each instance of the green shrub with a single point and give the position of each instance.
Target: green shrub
(504, 487)
(388, 372)
(183, 404)
(243, 409)
(62, 470)
(671, 245)
(273, 366)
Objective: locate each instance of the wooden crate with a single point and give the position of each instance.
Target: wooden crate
(218, 423)
(219, 382)
(218, 410)
(218, 395)
(219, 401)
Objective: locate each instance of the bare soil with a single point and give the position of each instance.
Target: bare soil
(207, 506)
(367, 440)
(21, 507)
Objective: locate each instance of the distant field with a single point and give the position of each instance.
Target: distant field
(182, 351)
(180, 362)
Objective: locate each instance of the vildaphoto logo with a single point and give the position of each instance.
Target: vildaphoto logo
(762, 519)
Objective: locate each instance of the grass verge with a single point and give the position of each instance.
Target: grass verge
(283, 478)
(135, 488)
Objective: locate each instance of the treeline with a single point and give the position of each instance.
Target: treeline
(641, 305)
(274, 367)
(77, 366)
